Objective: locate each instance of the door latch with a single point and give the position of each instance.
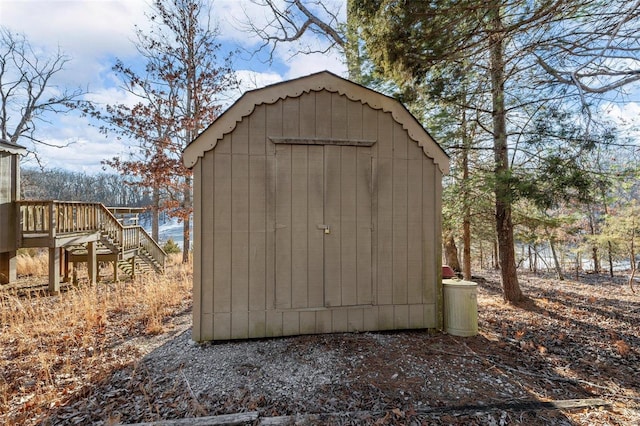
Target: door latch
(326, 228)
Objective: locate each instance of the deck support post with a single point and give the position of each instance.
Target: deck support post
(133, 268)
(92, 263)
(115, 271)
(64, 264)
(8, 262)
(54, 270)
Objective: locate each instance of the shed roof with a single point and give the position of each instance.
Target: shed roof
(323, 80)
(5, 146)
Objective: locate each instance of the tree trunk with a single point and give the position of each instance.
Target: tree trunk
(594, 249)
(610, 258)
(555, 260)
(155, 214)
(186, 229)
(632, 254)
(352, 47)
(451, 252)
(504, 223)
(466, 201)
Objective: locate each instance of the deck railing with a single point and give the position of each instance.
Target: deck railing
(59, 218)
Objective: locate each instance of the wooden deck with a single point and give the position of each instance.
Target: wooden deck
(86, 232)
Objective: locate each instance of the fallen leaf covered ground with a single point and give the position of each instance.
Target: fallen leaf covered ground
(571, 340)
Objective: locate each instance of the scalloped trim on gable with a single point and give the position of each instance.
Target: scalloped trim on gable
(324, 80)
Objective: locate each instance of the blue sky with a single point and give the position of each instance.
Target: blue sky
(93, 33)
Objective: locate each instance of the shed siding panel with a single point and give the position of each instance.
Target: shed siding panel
(363, 213)
(324, 322)
(257, 233)
(240, 138)
(340, 320)
(240, 235)
(332, 211)
(257, 324)
(307, 322)
(354, 120)
(207, 238)
(348, 225)
(222, 237)
(308, 115)
(291, 117)
(224, 145)
(198, 240)
(240, 324)
(270, 223)
(283, 227)
(315, 236)
(338, 116)
(415, 276)
(290, 323)
(299, 225)
(384, 225)
(323, 114)
(274, 323)
(355, 318)
(257, 130)
(399, 231)
(222, 325)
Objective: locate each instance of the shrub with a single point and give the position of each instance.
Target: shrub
(171, 247)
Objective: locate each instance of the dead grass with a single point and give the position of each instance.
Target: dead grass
(52, 346)
(32, 262)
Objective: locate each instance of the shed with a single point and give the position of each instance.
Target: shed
(317, 209)
(9, 194)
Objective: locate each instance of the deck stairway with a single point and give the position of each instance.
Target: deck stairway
(82, 230)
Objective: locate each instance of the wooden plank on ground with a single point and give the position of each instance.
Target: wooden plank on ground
(253, 416)
(225, 419)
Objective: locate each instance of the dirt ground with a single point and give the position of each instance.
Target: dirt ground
(571, 340)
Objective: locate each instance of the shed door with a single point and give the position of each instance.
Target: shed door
(323, 226)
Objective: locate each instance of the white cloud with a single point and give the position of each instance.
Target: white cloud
(93, 33)
(301, 65)
(627, 113)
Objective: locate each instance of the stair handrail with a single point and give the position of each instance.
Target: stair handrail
(152, 247)
(109, 224)
(142, 238)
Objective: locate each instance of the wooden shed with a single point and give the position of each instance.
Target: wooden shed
(9, 194)
(317, 209)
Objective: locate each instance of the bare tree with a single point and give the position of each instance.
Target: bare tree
(27, 92)
(179, 93)
(291, 20)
